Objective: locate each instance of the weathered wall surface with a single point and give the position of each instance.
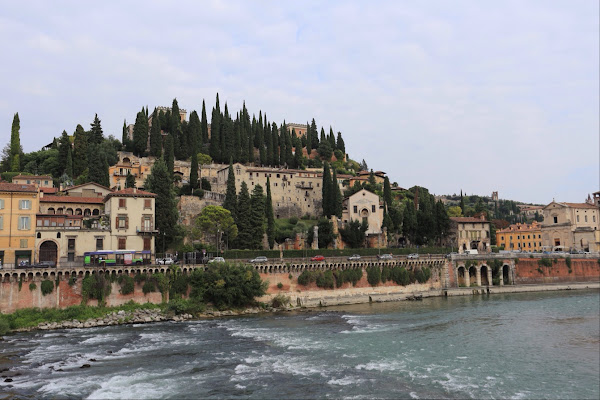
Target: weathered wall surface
(529, 271)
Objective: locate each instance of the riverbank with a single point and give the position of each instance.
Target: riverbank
(133, 313)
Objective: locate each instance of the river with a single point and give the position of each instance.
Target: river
(528, 345)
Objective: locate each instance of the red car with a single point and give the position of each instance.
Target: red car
(318, 258)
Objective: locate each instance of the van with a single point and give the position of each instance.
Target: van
(471, 252)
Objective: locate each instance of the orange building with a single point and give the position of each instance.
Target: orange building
(523, 237)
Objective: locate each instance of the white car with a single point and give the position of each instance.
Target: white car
(165, 261)
(413, 256)
(217, 260)
(259, 259)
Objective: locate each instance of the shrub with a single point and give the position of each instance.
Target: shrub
(386, 273)
(227, 285)
(149, 286)
(32, 286)
(423, 274)
(305, 278)
(290, 276)
(72, 280)
(95, 287)
(545, 262)
(280, 301)
(47, 287)
(127, 284)
(293, 220)
(4, 326)
(279, 285)
(185, 306)
(325, 279)
(373, 275)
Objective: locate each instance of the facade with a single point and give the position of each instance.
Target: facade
(70, 205)
(300, 129)
(470, 233)
(530, 211)
(294, 192)
(128, 163)
(571, 226)
(364, 206)
(90, 189)
(18, 206)
(39, 181)
(523, 237)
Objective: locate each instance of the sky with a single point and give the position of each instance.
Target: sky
(477, 96)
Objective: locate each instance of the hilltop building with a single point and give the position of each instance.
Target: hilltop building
(571, 226)
(523, 237)
(364, 206)
(470, 233)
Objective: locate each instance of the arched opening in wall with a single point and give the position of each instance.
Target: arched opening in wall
(506, 275)
(484, 276)
(51, 210)
(69, 211)
(464, 246)
(78, 211)
(96, 212)
(87, 212)
(48, 252)
(472, 275)
(462, 281)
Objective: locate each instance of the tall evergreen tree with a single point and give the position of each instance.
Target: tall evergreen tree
(289, 154)
(243, 142)
(80, 151)
(155, 136)
(125, 137)
(269, 215)
(308, 139)
(323, 137)
(95, 135)
(409, 221)
(204, 124)
(140, 134)
(230, 202)
(297, 153)
(160, 183)
(387, 191)
(275, 136)
(462, 203)
(169, 155)
(327, 192)
(340, 145)
(69, 166)
(98, 166)
(269, 143)
(215, 134)
(314, 134)
(243, 223)
(195, 129)
(175, 117)
(337, 196)
(331, 139)
(130, 180)
(64, 144)
(15, 145)
(194, 171)
(257, 217)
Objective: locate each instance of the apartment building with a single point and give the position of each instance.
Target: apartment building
(18, 206)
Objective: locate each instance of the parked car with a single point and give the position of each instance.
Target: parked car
(413, 256)
(317, 258)
(217, 260)
(259, 259)
(385, 257)
(354, 257)
(165, 261)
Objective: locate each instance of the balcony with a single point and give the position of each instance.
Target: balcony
(304, 186)
(146, 230)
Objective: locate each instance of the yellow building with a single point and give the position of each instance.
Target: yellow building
(523, 237)
(18, 207)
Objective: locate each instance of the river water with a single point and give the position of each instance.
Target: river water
(533, 345)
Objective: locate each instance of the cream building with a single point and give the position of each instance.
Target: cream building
(571, 226)
(364, 206)
(470, 233)
(18, 206)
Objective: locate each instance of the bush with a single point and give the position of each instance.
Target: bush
(279, 285)
(127, 284)
(293, 220)
(348, 275)
(4, 326)
(47, 287)
(185, 306)
(149, 287)
(280, 301)
(95, 287)
(32, 286)
(227, 285)
(545, 262)
(72, 280)
(373, 275)
(325, 279)
(305, 278)
(386, 273)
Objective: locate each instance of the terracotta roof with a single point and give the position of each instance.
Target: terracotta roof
(17, 187)
(60, 215)
(48, 177)
(580, 205)
(129, 192)
(71, 199)
(468, 220)
(87, 183)
(521, 228)
(48, 190)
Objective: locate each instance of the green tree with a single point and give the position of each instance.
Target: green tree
(64, 146)
(15, 145)
(462, 203)
(326, 237)
(130, 180)
(160, 182)
(69, 166)
(270, 216)
(243, 218)
(95, 135)
(231, 200)
(327, 192)
(214, 221)
(409, 222)
(125, 137)
(215, 134)
(387, 191)
(204, 159)
(98, 166)
(354, 233)
(169, 155)
(337, 196)
(257, 217)
(340, 145)
(325, 150)
(454, 211)
(155, 136)
(80, 152)
(204, 124)
(194, 171)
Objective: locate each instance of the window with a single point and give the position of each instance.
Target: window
(122, 222)
(122, 203)
(24, 223)
(71, 256)
(556, 220)
(1, 204)
(1, 222)
(585, 218)
(23, 243)
(99, 243)
(578, 218)
(593, 218)
(373, 208)
(147, 243)
(122, 243)
(71, 244)
(24, 204)
(147, 203)
(355, 209)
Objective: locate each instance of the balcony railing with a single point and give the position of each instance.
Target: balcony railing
(145, 229)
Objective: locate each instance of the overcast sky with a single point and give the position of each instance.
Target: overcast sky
(450, 95)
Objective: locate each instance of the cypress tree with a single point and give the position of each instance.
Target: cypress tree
(340, 145)
(243, 142)
(125, 137)
(323, 137)
(269, 216)
(95, 136)
(204, 124)
(327, 192)
(175, 118)
(298, 153)
(155, 136)
(169, 154)
(195, 132)
(194, 171)
(262, 151)
(314, 134)
(80, 153)
(69, 167)
(242, 221)
(160, 182)
(230, 202)
(462, 203)
(331, 138)
(64, 144)
(269, 143)
(387, 191)
(98, 166)
(337, 196)
(282, 144)
(15, 145)
(130, 181)
(215, 136)
(289, 154)
(275, 136)
(257, 217)
(237, 143)
(140, 134)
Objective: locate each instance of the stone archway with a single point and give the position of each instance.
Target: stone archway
(461, 277)
(49, 251)
(473, 275)
(506, 275)
(484, 276)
